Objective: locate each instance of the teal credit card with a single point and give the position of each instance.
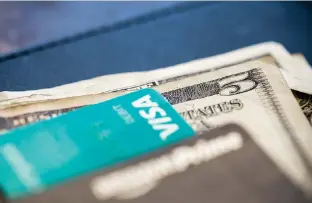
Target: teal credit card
(38, 156)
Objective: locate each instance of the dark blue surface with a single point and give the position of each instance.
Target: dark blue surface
(29, 23)
(162, 39)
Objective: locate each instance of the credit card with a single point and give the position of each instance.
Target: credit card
(38, 156)
(222, 165)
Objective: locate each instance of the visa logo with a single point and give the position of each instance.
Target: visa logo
(156, 116)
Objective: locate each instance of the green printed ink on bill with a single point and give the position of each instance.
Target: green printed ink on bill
(38, 156)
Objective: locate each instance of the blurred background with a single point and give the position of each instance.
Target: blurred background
(46, 44)
(25, 24)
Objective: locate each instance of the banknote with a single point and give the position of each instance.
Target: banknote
(305, 100)
(104, 84)
(253, 94)
(25, 113)
(300, 67)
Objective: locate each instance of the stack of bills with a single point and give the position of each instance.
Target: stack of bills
(262, 92)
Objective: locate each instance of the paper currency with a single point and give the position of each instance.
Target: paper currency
(104, 84)
(305, 100)
(23, 113)
(301, 71)
(244, 86)
(295, 67)
(253, 94)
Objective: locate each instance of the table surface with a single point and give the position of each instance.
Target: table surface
(151, 38)
(25, 24)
